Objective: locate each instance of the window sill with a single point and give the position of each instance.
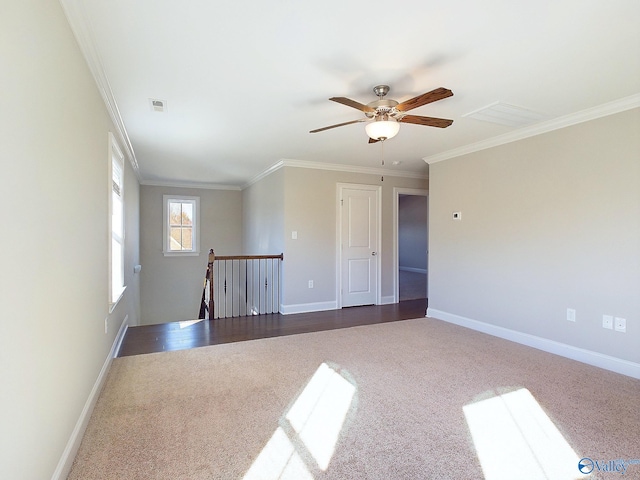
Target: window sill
(181, 254)
(114, 304)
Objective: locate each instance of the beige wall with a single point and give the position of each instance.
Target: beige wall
(548, 223)
(310, 210)
(263, 215)
(53, 293)
(171, 287)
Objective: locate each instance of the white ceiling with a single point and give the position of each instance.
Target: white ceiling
(245, 81)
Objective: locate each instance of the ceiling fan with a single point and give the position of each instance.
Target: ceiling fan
(385, 115)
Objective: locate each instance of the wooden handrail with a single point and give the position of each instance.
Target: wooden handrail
(245, 257)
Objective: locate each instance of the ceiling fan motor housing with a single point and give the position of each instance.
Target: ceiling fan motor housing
(383, 106)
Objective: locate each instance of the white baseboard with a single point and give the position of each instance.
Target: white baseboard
(323, 306)
(69, 454)
(589, 357)
(308, 307)
(414, 270)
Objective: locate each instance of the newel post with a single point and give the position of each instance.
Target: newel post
(212, 259)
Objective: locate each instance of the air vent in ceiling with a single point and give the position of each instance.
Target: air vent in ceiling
(158, 105)
(505, 114)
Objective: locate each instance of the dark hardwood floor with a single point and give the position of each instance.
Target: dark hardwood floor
(199, 333)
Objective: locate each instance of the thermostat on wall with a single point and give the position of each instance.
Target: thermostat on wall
(457, 215)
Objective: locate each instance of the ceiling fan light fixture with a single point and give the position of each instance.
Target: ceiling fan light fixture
(382, 129)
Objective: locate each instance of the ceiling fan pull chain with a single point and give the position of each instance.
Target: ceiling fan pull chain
(382, 156)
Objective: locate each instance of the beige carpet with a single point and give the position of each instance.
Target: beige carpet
(405, 400)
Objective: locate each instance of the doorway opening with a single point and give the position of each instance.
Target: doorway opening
(411, 243)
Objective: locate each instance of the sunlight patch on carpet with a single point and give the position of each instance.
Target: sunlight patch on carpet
(315, 421)
(319, 413)
(278, 460)
(514, 438)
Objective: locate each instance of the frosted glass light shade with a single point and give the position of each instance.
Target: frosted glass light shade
(382, 129)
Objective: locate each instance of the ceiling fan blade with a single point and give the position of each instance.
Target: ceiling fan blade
(429, 97)
(428, 121)
(337, 125)
(373, 140)
(352, 103)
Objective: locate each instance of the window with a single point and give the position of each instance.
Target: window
(116, 216)
(181, 225)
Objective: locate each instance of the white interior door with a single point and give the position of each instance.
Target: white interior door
(359, 214)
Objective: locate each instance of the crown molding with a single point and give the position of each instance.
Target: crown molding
(201, 186)
(617, 106)
(332, 167)
(353, 169)
(272, 169)
(80, 24)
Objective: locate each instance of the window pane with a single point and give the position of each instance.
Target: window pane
(116, 218)
(117, 281)
(116, 173)
(187, 238)
(175, 241)
(175, 214)
(187, 214)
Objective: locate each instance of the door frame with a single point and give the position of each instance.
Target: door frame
(397, 191)
(374, 188)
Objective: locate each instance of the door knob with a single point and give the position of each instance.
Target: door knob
(374, 253)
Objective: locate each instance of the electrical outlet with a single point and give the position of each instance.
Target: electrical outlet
(620, 324)
(310, 283)
(571, 315)
(607, 322)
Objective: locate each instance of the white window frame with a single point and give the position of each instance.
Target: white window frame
(166, 230)
(116, 232)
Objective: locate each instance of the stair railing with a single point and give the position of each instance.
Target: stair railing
(242, 285)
